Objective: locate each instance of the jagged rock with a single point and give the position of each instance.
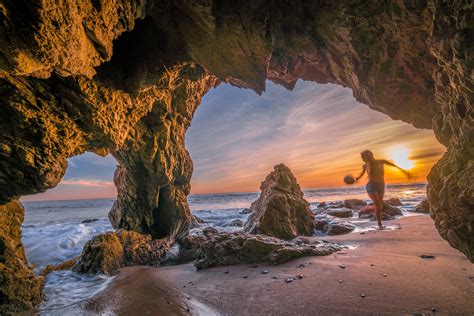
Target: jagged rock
(245, 211)
(233, 223)
(280, 211)
(190, 244)
(196, 222)
(106, 253)
(332, 227)
(339, 212)
(89, 220)
(20, 288)
(355, 204)
(393, 202)
(224, 249)
(388, 212)
(322, 204)
(66, 265)
(423, 207)
(336, 204)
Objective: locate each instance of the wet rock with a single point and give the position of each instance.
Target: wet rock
(393, 202)
(388, 212)
(20, 288)
(106, 253)
(423, 207)
(332, 227)
(223, 249)
(355, 204)
(322, 204)
(427, 256)
(336, 204)
(233, 223)
(280, 211)
(66, 265)
(189, 245)
(196, 222)
(245, 211)
(339, 212)
(89, 220)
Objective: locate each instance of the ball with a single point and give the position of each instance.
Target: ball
(349, 179)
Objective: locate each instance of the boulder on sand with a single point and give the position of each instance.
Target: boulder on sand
(339, 212)
(393, 202)
(388, 212)
(423, 207)
(355, 204)
(281, 211)
(332, 227)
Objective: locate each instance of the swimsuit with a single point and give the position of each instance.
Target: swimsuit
(375, 187)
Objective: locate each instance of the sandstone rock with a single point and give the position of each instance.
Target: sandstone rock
(336, 204)
(245, 211)
(423, 207)
(332, 227)
(387, 210)
(280, 211)
(235, 248)
(20, 288)
(196, 222)
(108, 252)
(393, 202)
(339, 212)
(355, 204)
(190, 244)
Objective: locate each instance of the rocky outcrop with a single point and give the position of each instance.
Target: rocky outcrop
(393, 202)
(388, 212)
(224, 249)
(423, 207)
(108, 252)
(355, 204)
(333, 227)
(339, 212)
(125, 77)
(280, 211)
(20, 288)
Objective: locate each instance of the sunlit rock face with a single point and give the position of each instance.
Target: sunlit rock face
(125, 77)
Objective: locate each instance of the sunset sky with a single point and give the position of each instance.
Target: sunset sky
(236, 138)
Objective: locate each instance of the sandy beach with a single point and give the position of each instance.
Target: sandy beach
(382, 273)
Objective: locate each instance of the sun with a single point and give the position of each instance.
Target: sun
(399, 155)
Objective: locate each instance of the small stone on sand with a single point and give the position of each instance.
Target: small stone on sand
(372, 264)
(302, 265)
(264, 271)
(340, 281)
(226, 271)
(289, 280)
(433, 309)
(362, 295)
(342, 266)
(384, 275)
(246, 276)
(300, 276)
(427, 256)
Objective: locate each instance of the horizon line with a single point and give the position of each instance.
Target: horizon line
(226, 192)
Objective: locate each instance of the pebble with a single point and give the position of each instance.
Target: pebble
(362, 295)
(301, 266)
(275, 277)
(300, 276)
(289, 280)
(226, 271)
(340, 281)
(264, 272)
(372, 264)
(363, 233)
(246, 276)
(433, 309)
(342, 266)
(427, 256)
(384, 275)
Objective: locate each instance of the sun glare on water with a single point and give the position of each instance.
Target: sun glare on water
(399, 156)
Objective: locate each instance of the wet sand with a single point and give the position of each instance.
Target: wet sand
(385, 266)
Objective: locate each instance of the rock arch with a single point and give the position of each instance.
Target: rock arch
(125, 77)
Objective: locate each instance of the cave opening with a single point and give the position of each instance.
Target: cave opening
(318, 130)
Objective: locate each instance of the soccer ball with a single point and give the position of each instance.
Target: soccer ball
(349, 179)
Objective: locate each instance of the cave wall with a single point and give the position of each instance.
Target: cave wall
(125, 77)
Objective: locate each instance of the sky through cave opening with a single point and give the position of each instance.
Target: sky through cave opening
(318, 130)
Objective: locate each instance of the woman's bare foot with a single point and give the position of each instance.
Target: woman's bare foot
(381, 227)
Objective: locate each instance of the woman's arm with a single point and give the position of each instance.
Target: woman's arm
(386, 162)
(364, 169)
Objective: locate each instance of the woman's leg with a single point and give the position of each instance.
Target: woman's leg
(378, 207)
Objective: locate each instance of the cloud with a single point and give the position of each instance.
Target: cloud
(88, 183)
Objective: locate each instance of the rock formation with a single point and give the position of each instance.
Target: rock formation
(280, 211)
(423, 207)
(125, 77)
(19, 287)
(224, 249)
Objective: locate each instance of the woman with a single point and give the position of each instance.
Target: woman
(376, 185)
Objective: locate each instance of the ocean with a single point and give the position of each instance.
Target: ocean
(55, 231)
